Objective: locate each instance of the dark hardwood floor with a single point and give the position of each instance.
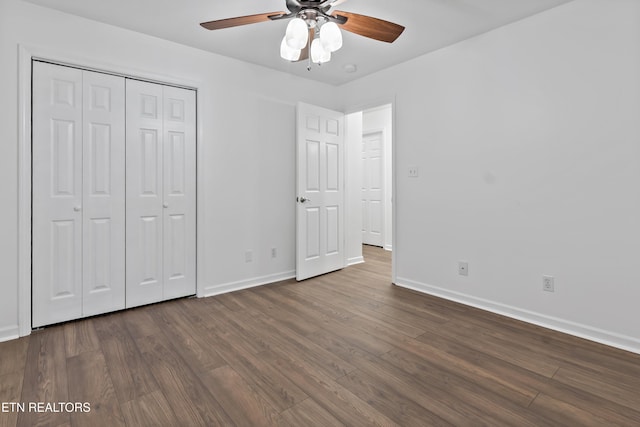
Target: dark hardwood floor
(347, 348)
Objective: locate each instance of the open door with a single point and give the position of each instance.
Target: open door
(320, 191)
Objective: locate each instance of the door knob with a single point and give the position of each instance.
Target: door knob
(165, 205)
(77, 208)
(303, 200)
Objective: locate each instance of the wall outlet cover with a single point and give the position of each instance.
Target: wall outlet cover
(463, 268)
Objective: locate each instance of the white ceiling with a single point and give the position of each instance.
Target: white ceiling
(430, 25)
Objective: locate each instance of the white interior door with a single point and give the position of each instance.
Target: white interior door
(103, 201)
(372, 189)
(320, 189)
(161, 193)
(57, 194)
(78, 194)
(179, 179)
(144, 192)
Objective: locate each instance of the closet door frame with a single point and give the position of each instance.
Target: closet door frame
(26, 55)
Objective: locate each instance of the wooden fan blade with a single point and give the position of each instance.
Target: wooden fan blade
(367, 26)
(240, 20)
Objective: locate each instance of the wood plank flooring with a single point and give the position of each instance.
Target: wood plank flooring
(343, 349)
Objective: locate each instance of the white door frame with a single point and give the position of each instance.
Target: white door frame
(25, 55)
(354, 108)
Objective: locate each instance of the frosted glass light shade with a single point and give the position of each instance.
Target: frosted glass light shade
(297, 34)
(330, 36)
(287, 53)
(318, 54)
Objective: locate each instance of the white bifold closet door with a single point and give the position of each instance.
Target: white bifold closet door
(78, 220)
(161, 192)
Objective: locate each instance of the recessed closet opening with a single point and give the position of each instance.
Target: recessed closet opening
(113, 192)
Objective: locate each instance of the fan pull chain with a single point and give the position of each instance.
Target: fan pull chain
(309, 52)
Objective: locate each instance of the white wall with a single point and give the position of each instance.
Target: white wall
(353, 220)
(248, 143)
(381, 119)
(528, 143)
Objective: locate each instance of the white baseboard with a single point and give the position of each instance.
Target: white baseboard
(388, 248)
(247, 283)
(9, 333)
(609, 338)
(355, 260)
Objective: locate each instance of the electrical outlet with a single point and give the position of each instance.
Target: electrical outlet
(274, 252)
(248, 256)
(463, 268)
(547, 284)
(413, 171)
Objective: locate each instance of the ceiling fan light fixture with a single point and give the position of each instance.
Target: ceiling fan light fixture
(330, 36)
(297, 34)
(318, 54)
(315, 29)
(287, 53)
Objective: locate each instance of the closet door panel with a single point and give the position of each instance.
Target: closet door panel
(57, 194)
(144, 188)
(179, 173)
(114, 193)
(104, 193)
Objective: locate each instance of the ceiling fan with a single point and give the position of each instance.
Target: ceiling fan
(314, 30)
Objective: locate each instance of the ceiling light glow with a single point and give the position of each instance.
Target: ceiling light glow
(330, 37)
(297, 34)
(287, 53)
(318, 54)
